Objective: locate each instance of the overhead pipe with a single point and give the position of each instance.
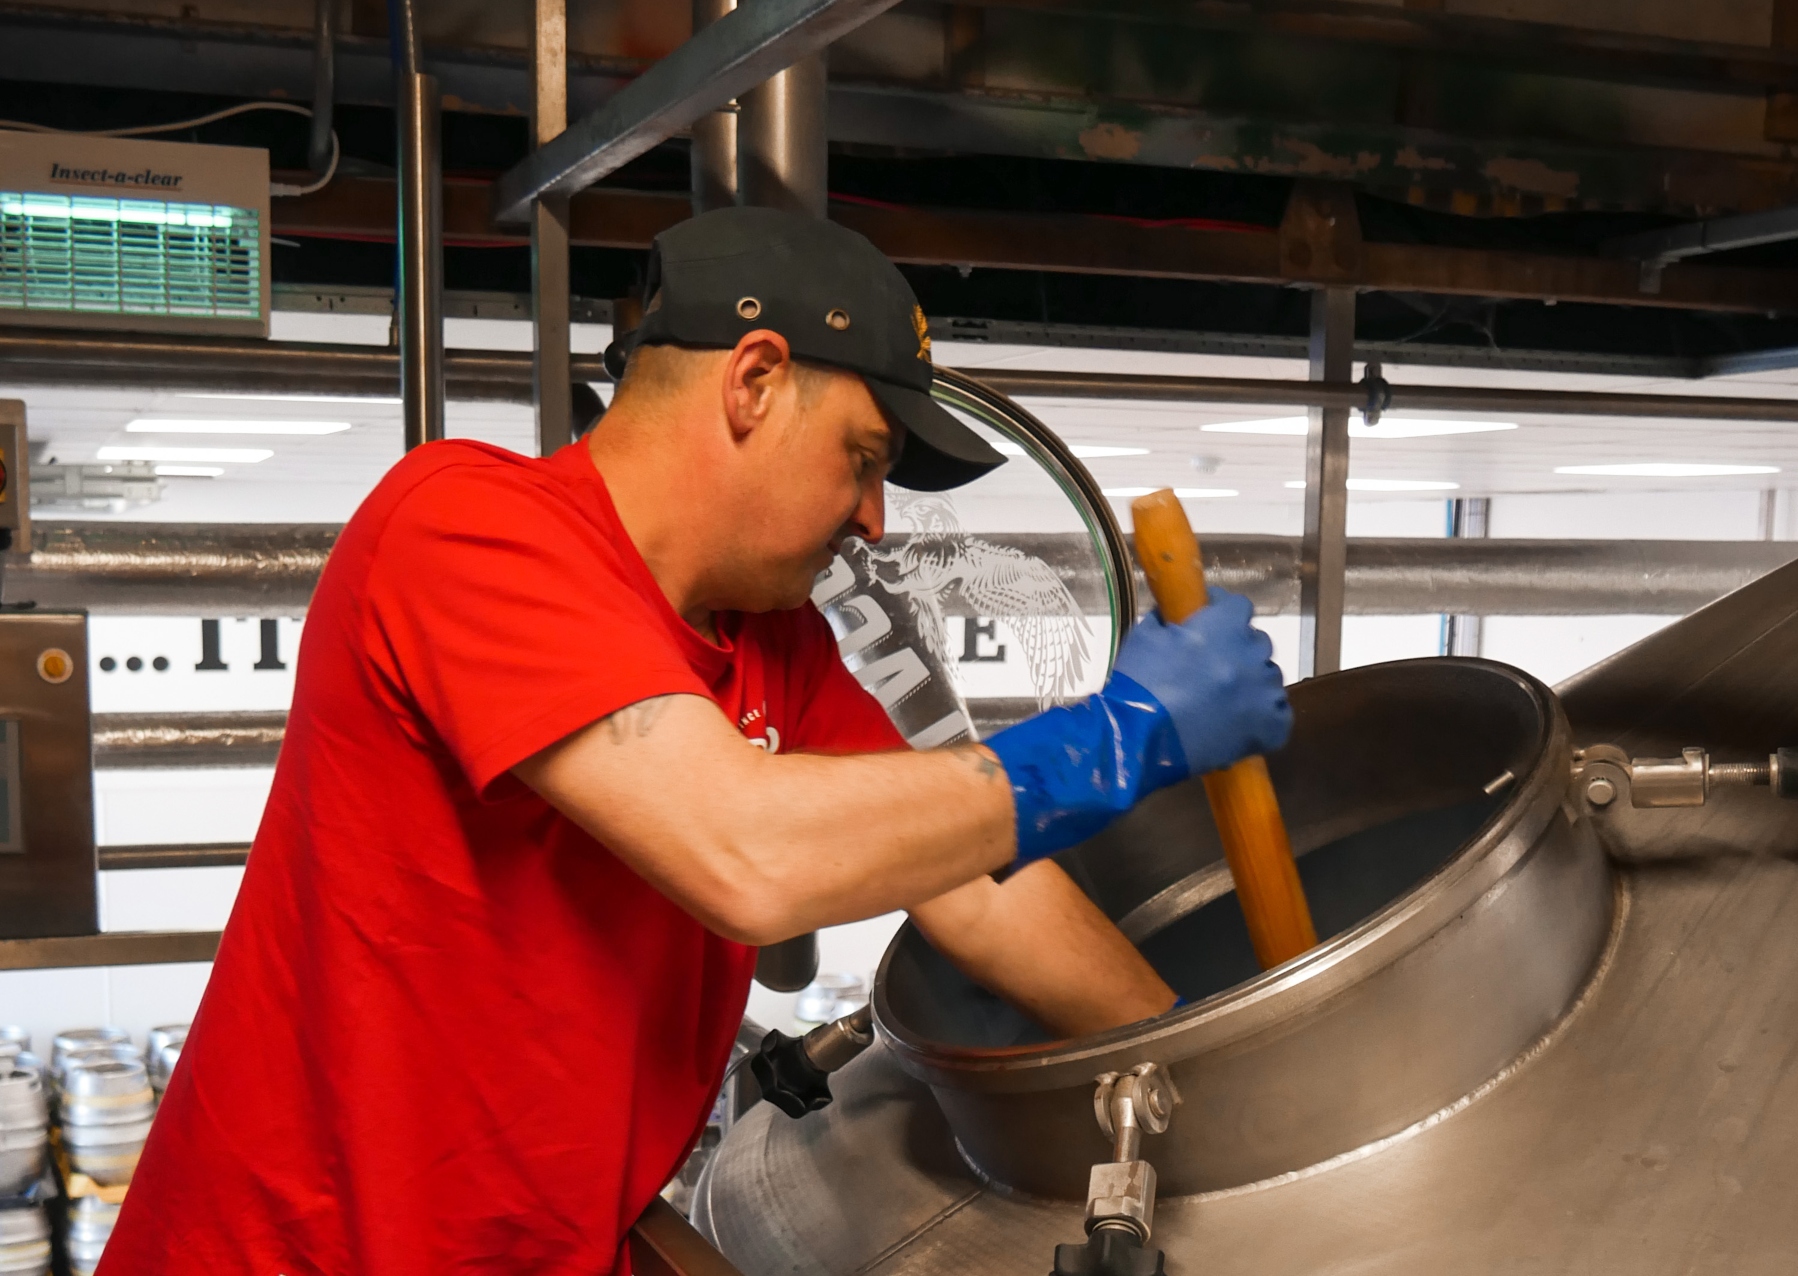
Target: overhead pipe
(324, 87)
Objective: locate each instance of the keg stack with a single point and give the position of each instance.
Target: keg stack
(24, 1142)
(105, 1094)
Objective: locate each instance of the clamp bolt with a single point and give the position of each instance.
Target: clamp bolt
(1601, 791)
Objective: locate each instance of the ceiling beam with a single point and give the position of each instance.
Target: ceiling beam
(721, 62)
(1435, 166)
(1086, 244)
(1655, 250)
(1549, 48)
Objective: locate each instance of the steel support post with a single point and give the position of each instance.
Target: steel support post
(714, 150)
(420, 256)
(1468, 518)
(551, 371)
(782, 149)
(1323, 553)
(782, 162)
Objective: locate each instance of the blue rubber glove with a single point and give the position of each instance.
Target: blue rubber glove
(1182, 700)
(1216, 677)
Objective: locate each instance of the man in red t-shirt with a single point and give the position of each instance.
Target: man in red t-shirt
(497, 931)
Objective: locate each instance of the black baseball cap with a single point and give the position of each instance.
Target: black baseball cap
(835, 298)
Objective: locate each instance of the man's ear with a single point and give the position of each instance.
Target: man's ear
(755, 371)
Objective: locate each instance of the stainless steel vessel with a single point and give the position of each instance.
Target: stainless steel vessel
(1561, 1047)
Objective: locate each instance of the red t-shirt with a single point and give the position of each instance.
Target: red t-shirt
(447, 1031)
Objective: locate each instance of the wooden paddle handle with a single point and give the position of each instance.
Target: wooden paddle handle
(1242, 797)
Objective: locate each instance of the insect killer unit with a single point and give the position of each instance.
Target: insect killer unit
(117, 233)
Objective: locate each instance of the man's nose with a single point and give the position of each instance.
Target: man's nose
(870, 516)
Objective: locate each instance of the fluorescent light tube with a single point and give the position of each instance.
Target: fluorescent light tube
(295, 398)
(1085, 451)
(1389, 427)
(155, 425)
(189, 471)
(1667, 469)
(1391, 485)
(1184, 493)
(241, 455)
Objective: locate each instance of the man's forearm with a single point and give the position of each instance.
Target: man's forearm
(759, 847)
(1037, 941)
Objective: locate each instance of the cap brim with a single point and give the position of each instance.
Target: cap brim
(940, 452)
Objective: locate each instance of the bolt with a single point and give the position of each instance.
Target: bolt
(1601, 791)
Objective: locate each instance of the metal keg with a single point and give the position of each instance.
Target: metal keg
(24, 1130)
(24, 1241)
(106, 1110)
(166, 1034)
(88, 1042)
(91, 1222)
(161, 1052)
(72, 1039)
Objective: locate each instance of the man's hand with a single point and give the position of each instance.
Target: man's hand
(1039, 942)
(759, 847)
(1183, 699)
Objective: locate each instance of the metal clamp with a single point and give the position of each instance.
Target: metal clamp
(1604, 770)
(1121, 1192)
(1379, 393)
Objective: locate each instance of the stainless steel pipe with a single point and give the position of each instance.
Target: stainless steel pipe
(782, 151)
(1261, 392)
(713, 155)
(231, 366)
(237, 365)
(420, 320)
(550, 297)
(129, 740)
(420, 258)
(269, 569)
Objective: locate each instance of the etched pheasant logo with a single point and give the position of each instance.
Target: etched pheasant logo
(996, 581)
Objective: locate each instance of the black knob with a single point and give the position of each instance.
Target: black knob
(789, 1079)
(1110, 1251)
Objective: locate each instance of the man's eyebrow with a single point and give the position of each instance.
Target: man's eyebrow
(895, 443)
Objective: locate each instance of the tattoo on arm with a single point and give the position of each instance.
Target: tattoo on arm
(635, 721)
(983, 762)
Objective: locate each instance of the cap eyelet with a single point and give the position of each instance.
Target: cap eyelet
(748, 307)
(838, 319)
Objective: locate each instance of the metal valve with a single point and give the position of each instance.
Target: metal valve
(1687, 780)
(1120, 1195)
(794, 1072)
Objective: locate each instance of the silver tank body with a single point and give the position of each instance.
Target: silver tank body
(1565, 1048)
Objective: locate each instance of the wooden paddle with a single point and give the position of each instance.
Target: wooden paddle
(1242, 797)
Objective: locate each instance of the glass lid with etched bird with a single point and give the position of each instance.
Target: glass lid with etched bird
(984, 604)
